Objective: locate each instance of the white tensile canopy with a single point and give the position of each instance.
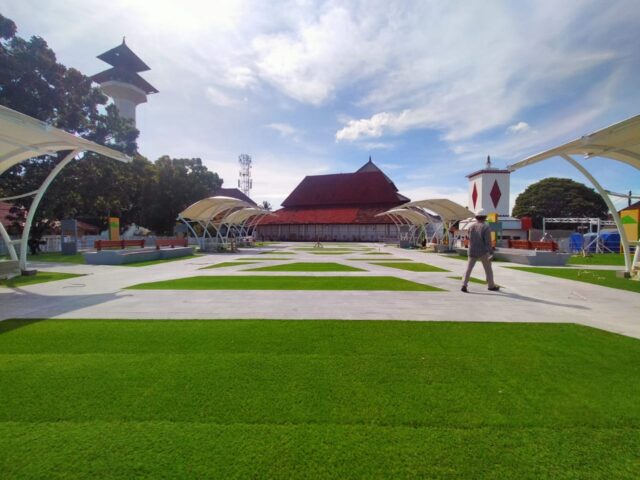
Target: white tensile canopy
(23, 137)
(236, 215)
(620, 142)
(448, 210)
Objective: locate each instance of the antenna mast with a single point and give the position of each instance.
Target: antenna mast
(244, 181)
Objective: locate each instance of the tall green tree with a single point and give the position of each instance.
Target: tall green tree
(559, 197)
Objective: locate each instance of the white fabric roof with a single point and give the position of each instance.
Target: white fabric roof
(208, 208)
(412, 216)
(244, 214)
(620, 141)
(448, 210)
(23, 137)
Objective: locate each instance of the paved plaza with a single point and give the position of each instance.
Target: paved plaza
(525, 297)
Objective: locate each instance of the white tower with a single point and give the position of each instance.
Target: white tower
(244, 182)
(122, 82)
(489, 190)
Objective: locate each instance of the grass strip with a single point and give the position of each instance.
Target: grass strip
(57, 257)
(227, 264)
(158, 261)
(286, 283)
(316, 399)
(373, 259)
(307, 267)
(277, 253)
(412, 266)
(376, 253)
(604, 278)
(265, 258)
(332, 253)
(597, 259)
(40, 277)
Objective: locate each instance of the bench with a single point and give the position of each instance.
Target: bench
(171, 242)
(120, 244)
(527, 245)
(9, 268)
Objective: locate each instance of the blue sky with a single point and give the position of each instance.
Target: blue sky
(427, 88)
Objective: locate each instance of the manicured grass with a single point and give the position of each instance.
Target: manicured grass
(472, 280)
(40, 277)
(56, 257)
(286, 283)
(377, 253)
(227, 264)
(325, 249)
(156, 262)
(307, 267)
(317, 399)
(277, 253)
(411, 266)
(605, 278)
(264, 258)
(382, 259)
(332, 252)
(597, 259)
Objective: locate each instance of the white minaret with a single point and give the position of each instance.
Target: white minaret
(122, 82)
(489, 190)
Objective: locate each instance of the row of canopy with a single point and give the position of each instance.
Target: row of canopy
(221, 218)
(412, 218)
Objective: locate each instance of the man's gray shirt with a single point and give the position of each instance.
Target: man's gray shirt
(479, 239)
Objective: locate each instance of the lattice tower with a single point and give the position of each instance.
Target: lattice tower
(245, 183)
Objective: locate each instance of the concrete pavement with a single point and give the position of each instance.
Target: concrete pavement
(525, 297)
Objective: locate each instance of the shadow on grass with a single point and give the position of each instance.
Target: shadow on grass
(11, 324)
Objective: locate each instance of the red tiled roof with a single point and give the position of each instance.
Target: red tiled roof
(327, 215)
(353, 189)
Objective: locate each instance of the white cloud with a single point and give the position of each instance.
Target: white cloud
(219, 98)
(519, 127)
(283, 129)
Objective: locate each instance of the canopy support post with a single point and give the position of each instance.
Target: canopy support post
(36, 201)
(8, 242)
(614, 213)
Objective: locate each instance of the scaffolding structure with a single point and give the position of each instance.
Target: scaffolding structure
(595, 225)
(245, 183)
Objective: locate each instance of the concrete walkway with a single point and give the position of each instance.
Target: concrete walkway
(525, 297)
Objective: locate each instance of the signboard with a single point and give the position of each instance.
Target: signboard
(114, 228)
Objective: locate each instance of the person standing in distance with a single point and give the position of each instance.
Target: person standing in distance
(480, 248)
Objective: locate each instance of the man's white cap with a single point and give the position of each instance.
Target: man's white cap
(481, 212)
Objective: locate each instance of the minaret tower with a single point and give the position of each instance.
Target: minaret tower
(489, 190)
(122, 82)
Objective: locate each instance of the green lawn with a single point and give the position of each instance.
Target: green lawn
(286, 283)
(382, 259)
(333, 252)
(156, 262)
(317, 399)
(277, 253)
(411, 266)
(605, 278)
(40, 277)
(597, 259)
(377, 253)
(56, 257)
(264, 258)
(326, 249)
(227, 264)
(307, 267)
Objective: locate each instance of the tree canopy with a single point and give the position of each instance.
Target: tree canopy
(559, 197)
(149, 194)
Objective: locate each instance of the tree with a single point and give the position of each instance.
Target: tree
(266, 205)
(559, 197)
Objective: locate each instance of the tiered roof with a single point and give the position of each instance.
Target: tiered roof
(126, 66)
(342, 198)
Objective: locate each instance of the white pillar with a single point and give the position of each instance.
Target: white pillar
(36, 201)
(614, 213)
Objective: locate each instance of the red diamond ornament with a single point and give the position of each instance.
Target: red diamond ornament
(474, 195)
(495, 194)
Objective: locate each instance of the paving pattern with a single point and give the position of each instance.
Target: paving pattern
(525, 297)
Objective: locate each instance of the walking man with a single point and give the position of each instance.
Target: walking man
(480, 248)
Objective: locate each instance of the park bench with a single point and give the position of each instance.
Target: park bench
(121, 244)
(527, 245)
(171, 242)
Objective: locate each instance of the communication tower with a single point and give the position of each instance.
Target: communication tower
(244, 182)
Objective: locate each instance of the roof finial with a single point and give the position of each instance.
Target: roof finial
(488, 165)
(123, 38)
(369, 157)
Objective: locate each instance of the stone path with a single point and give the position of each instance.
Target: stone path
(526, 297)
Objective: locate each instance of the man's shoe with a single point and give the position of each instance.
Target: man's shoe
(494, 289)
(463, 289)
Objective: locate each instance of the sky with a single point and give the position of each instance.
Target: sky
(426, 88)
